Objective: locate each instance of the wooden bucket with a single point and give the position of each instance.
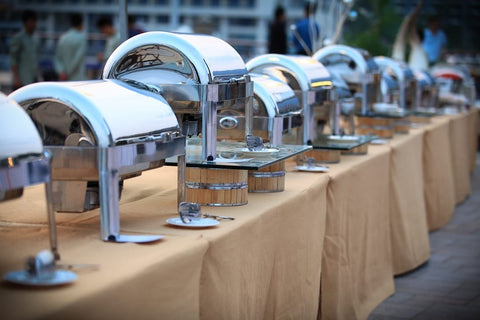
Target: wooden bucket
(323, 156)
(216, 187)
(374, 121)
(385, 132)
(402, 125)
(420, 119)
(382, 127)
(360, 150)
(269, 179)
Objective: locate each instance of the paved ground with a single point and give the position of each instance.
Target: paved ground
(448, 286)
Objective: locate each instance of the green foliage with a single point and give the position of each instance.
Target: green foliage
(375, 28)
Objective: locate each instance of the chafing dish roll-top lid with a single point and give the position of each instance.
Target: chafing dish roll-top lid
(424, 79)
(397, 68)
(113, 112)
(18, 135)
(277, 97)
(186, 57)
(351, 63)
(295, 70)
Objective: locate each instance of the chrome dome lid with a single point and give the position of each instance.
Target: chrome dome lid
(107, 109)
(308, 72)
(334, 55)
(203, 59)
(18, 134)
(278, 98)
(403, 74)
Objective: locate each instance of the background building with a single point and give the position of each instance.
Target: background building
(243, 23)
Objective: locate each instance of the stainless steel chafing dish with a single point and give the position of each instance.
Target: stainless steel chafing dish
(276, 109)
(400, 71)
(23, 161)
(456, 86)
(101, 131)
(426, 96)
(202, 77)
(311, 83)
(358, 69)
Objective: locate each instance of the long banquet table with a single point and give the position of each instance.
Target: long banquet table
(330, 242)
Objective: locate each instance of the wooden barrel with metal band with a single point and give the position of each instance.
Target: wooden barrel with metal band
(216, 187)
(269, 179)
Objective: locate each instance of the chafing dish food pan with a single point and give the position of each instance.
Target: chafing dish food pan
(101, 131)
(311, 83)
(276, 109)
(402, 73)
(358, 69)
(456, 86)
(23, 161)
(202, 77)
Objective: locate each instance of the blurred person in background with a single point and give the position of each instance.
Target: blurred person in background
(24, 52)
(305, 30)
(133, 28)
(434, 41)
(113, 40)
(70, 52)
(277, 37)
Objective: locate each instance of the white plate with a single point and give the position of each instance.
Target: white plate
(263, 152)
(378, 141)
(220, 159)
(59, 277)
(200, 223)
(312, 169)
(343, 138)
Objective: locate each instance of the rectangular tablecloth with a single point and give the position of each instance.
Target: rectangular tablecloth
(357, 259)
(408, 216)
(474, 135)
(460, 142)
(438, 175)
(266, 263)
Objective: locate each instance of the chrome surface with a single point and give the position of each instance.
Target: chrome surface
(101, 131)
(456, 80)
(403, 75)
(357, 68)
(426, 95)
(23, 161)
(198, 75)
(309, 79)
(276, 108)
(18, 135)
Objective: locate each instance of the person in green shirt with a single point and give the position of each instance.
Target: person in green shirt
(113, 39)
(70, 52)
(24, 52)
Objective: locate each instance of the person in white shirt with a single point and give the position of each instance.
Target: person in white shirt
(113, 40)
(70, 52)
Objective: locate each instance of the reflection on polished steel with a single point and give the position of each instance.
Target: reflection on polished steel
(202, 77)
(402, 73)
(99, 133)
(426, 96)
(357, 69)
(311, 83)
(456, 85)
(23, 161)
(276, 109)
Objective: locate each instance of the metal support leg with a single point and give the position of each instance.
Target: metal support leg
(108, 189)
(109, 207)
(181, 179)
(209, 130)
(52, 226)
